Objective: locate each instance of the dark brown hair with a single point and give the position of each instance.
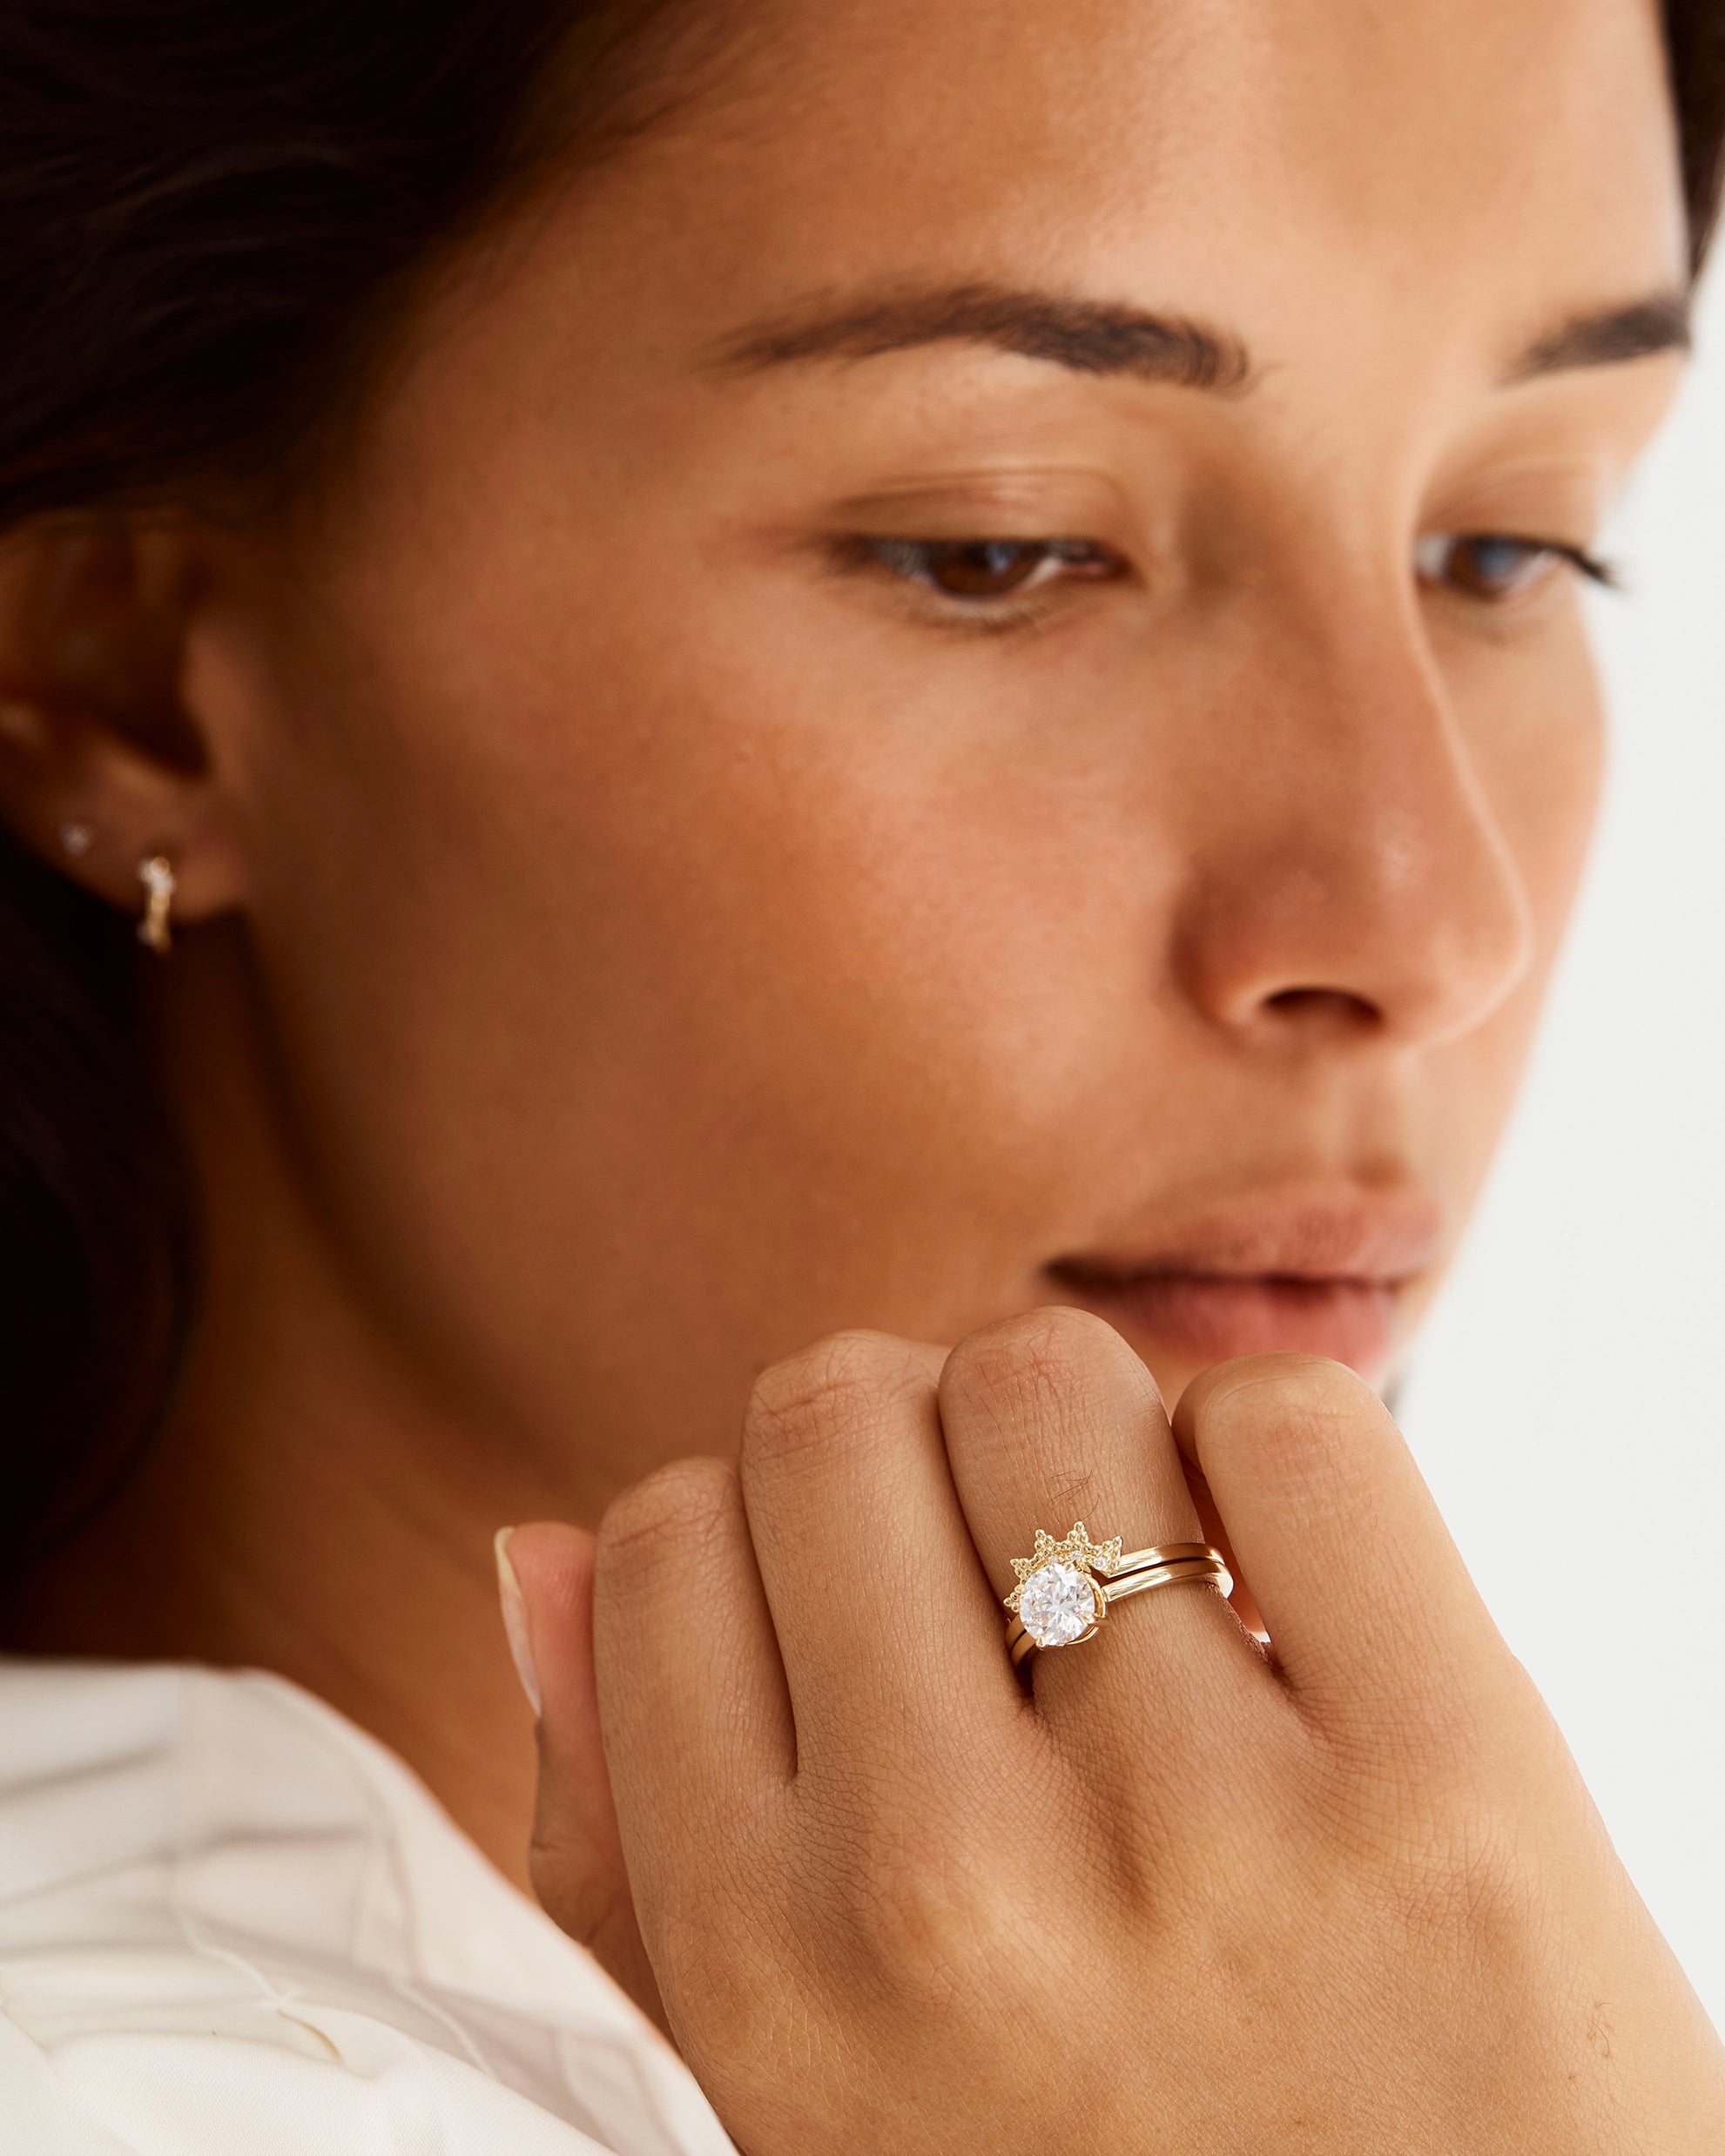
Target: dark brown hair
(207, 209)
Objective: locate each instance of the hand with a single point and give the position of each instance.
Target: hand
(1183, 1893)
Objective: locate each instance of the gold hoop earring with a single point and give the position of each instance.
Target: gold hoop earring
(157, 876)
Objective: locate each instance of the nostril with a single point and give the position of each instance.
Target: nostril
(1332, 1009)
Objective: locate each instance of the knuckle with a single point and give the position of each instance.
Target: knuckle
(1464, 1883)
(1283, 1383)
(937, 1929)
(729, 1981)
(825, 1391)
(1432, 1814)
(686, 1502)
(1292, 1414)
(926, 1914)
(1042, 1361)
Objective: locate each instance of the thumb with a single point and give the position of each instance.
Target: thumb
(545, 1580)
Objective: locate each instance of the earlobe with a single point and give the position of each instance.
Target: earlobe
(103, 769)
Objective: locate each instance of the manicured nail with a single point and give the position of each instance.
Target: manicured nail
(515, 1621)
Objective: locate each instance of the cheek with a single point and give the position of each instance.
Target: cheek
(714, 1010)
(866, 958)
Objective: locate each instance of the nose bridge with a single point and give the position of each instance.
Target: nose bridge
(1356, 853)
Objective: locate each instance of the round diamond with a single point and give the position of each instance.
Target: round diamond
(1058, 1604)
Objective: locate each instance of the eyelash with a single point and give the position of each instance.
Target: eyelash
(909, 562)
(1556, 551)
(912, 561)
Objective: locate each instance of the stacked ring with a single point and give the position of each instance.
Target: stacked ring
(1065, 1588)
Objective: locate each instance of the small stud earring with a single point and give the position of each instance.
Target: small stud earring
(157, 876)
(76, 836)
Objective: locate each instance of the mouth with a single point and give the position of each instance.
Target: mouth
(1326, 1276)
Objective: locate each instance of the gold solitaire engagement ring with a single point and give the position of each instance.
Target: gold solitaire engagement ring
(1065, 1588)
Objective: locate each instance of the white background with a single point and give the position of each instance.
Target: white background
(1568, 1401)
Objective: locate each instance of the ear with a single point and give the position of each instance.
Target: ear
(102, 765)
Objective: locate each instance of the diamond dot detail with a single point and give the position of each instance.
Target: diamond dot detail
(1057, 1605)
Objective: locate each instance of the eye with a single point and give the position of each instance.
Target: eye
(979, 570)
(1496, 567)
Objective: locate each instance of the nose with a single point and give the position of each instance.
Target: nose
(1352, 874)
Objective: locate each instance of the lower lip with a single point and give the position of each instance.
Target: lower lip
(1198, 1319)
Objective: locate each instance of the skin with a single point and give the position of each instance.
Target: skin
(626, 933)
(1342, 1895)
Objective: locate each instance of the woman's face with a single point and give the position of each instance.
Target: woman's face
(958, 682)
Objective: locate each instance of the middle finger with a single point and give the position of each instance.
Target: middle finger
(883, 1616)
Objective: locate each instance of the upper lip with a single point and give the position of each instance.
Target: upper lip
(1380, 1238)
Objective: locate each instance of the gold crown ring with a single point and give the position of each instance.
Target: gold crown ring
(1065, 1588)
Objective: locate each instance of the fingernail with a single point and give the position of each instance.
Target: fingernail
(514, 1619)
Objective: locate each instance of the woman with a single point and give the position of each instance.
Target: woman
(797, 673)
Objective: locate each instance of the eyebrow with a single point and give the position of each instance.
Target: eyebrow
(1087, 336)
(1610, 336)
(1098, 337)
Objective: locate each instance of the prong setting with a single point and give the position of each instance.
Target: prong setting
(1060, 1597)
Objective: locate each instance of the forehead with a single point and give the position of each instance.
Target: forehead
(1516, 154)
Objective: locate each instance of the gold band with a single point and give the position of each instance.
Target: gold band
(1209, 1566)
(1162, 1553)
(1065, 1591)
(1207, 1569)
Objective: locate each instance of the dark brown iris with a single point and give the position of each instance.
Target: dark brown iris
(984, 569)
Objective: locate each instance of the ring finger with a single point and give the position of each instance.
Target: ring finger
(1050, 1419)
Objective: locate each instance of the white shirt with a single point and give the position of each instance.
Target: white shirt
(233, 1925)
